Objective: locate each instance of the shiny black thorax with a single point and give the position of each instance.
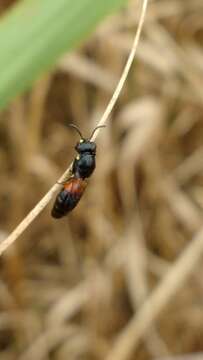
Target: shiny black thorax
(84, 163)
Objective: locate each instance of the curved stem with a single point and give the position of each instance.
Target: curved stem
(45, 200)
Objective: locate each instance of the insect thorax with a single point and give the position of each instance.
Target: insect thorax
(84, 165)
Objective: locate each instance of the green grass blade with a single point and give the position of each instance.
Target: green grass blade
(36, 32)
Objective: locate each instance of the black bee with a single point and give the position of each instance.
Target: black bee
(83, 167)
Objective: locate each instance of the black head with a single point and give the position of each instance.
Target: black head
(85, 145)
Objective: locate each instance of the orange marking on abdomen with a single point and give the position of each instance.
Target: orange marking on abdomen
(75, 186)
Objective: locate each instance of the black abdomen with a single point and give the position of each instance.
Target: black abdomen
(65, 202)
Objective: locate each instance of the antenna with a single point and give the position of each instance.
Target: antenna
(77, 129)
(97, 127)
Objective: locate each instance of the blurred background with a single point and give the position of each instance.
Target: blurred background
(69, 287)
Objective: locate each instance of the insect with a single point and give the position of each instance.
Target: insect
(83, 167)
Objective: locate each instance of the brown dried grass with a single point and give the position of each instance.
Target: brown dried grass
(68, 288)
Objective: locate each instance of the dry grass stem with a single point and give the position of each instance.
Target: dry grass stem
(194, 356)
(118, 278)
(45, 200)
(160, 297)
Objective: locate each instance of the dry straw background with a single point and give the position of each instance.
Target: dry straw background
(74, 288)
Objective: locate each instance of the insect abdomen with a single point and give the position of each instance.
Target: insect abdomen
(64, 203)
(68, 197)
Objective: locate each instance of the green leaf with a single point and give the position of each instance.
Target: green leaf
(36, 32)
